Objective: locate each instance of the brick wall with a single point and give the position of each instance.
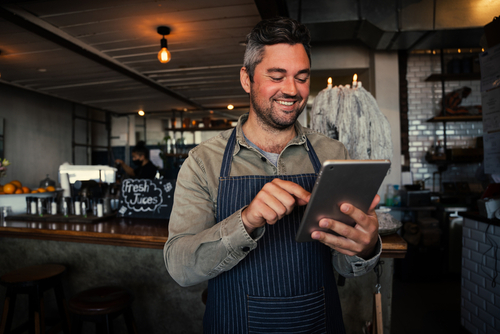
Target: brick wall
(480, 309)
(424, 102)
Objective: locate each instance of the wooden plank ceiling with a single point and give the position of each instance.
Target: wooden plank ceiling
(38, 40)
(103, 53)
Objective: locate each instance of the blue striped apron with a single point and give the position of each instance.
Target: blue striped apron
(282, 286)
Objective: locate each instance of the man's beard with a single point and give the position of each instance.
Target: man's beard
(272, 119)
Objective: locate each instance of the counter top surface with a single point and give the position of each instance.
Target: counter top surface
(132, 232)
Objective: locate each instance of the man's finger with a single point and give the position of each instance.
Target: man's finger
(343, 229)
(374, 204)
(359, 216)
(301, 195)
(340, 244)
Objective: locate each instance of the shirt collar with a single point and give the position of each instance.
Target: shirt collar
(300, 138)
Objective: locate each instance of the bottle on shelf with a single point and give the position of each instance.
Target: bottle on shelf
(396, 200)
(389, 196)
(432, 151)
(440, 150)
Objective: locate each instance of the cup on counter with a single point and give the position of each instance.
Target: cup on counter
(114, 202)
(52, 205)
(100, 207)
(41, 206)
(93, 204)
(31, 205)
(5, 211)
(66, 206)
(77, 210)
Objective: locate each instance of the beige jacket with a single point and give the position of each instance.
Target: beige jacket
(199, 248)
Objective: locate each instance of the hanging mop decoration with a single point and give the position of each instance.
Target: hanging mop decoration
(352, 116)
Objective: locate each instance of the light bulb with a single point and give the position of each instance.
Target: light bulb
(141, 112)
(164, 55)
(230, 107)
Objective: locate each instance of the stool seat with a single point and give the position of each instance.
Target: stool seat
(101, 300)
(32, 274)
(33, 281)
(100, 306)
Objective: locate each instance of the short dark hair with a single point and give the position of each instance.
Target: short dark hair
(270, 32)
(141, 149)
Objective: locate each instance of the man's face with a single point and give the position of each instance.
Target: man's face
(137, 158)
(281, 85)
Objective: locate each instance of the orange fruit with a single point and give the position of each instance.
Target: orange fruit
(41, 190)
(18, 191)
(26, 190)
(16, 183)
(34, 191)
(50, 188)
(9, 188)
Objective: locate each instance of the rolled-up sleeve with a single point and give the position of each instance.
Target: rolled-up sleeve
(198, 248)
(354, 266)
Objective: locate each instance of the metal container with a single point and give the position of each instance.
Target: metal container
(415, 197)
(18, 201)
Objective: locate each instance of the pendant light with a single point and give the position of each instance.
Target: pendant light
(164, 55)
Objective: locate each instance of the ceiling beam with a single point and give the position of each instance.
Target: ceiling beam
(8, 83)
(45, 30)
(272, 8)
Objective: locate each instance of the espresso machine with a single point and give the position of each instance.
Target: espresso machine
(88, 186)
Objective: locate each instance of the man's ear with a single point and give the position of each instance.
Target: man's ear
(245, 79)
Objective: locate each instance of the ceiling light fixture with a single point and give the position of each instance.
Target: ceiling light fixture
(164, 55)
(230, 107)
(141, 112)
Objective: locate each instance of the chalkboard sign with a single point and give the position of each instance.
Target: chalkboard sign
(145, 198)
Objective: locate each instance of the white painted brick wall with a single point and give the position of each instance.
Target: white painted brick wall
(424, 102)
(480, 306)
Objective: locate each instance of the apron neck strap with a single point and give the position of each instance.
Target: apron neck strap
(227, 160)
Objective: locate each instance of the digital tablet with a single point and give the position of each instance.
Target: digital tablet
(341, 181)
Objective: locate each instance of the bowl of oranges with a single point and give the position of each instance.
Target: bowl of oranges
(14, 194)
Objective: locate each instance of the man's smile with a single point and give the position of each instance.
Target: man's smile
(286, 103)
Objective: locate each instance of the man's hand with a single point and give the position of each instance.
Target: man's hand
(359, 240)
(275, 200)
(129, 170)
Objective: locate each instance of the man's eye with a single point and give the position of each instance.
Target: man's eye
(276, 78)
(302, 80)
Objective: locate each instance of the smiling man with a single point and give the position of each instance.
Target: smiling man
(240, 197)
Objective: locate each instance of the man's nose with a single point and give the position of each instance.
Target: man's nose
(289, 87)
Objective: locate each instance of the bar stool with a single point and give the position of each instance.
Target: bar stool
(34, 281)
(100, 306)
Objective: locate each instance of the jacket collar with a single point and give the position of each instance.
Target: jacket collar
(299, 139)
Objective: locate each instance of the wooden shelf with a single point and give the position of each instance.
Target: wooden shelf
(464, 118)
(176, 155)
(457, 156)
(454, 77)
(217, 128)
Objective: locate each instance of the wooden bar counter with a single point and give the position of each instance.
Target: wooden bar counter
(128, 252)
(131, 232)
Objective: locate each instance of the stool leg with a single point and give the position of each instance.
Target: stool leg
(76, 325)
(36, 311)
(109, 325)
(63, 309)
(129, 321)
(105, 327)
(8, 311)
